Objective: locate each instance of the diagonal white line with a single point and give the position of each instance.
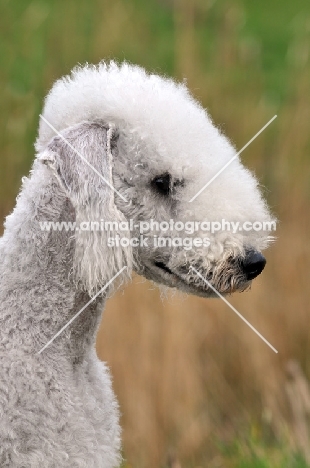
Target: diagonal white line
(232, 159)
(81, 310)
(235, 310)
(82, 157)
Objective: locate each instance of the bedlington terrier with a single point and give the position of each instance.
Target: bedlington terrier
(121, 157)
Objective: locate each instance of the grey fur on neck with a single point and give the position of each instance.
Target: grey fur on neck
(37, 267)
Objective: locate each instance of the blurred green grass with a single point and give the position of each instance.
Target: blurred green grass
(246, 61)
(253, 51)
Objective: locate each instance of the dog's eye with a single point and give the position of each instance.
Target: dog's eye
(162, 184)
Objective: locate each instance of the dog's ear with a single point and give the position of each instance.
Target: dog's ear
(81, 160)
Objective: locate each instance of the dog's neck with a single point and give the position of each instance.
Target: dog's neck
(36, 280)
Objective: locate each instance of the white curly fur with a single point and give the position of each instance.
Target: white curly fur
(57, 408)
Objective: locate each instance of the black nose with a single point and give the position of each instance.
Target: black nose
(253, 264)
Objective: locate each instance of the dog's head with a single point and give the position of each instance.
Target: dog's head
(185, 237)
(153, 159)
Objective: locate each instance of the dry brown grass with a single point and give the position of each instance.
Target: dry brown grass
(187, 371)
